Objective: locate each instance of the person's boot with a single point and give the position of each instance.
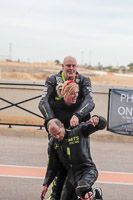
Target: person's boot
(98, 193)
(88, 196)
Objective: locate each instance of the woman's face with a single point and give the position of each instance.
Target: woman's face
(71, 98)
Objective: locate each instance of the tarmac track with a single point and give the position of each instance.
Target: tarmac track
(23, 163)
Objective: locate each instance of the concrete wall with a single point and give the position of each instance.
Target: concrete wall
(17, 93)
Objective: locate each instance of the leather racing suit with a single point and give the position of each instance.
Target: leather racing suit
(74, 153)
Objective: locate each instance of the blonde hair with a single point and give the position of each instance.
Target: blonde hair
(65, 88)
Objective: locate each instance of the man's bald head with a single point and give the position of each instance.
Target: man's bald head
(56, 129)
(69, 67)
(53, 123)
(69, 59)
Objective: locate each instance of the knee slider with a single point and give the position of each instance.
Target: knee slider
(81, 190)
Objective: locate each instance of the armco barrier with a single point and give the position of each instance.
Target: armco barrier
(19, 102)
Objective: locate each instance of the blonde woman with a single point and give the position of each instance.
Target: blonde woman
(65, 108)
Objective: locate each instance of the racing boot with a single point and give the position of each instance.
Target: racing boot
(85, 192)
(88, 196)
(97, 192)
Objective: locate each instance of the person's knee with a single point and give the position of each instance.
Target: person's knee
(81, 190)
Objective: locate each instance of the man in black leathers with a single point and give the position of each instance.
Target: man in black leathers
(49, 95)
(72, 149)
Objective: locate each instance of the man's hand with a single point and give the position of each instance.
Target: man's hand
(44, 192)
(74, 121)
(93, 120)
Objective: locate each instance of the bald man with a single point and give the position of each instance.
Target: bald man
(68, 72)
(72, 149)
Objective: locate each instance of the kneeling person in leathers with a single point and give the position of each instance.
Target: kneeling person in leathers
(72, 149)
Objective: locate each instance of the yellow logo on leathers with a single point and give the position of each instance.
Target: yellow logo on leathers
(73, 140)
(56, 145)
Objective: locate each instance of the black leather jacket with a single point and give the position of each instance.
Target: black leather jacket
(73, 151)
(50, 94)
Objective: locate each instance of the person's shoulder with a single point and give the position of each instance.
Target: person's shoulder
(79, 127)
(53, 78)
(84, 127)
(83, 124)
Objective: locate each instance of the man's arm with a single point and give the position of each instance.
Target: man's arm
(44, 104)
(44, 192)
(53, 166)
(94, 124)
(87, 104)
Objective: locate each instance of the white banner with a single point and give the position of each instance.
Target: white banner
(120, 111)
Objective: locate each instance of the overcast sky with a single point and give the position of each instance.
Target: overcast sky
(45, 30)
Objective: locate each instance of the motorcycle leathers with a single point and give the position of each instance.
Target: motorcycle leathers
(74, 153)
(50, 94)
